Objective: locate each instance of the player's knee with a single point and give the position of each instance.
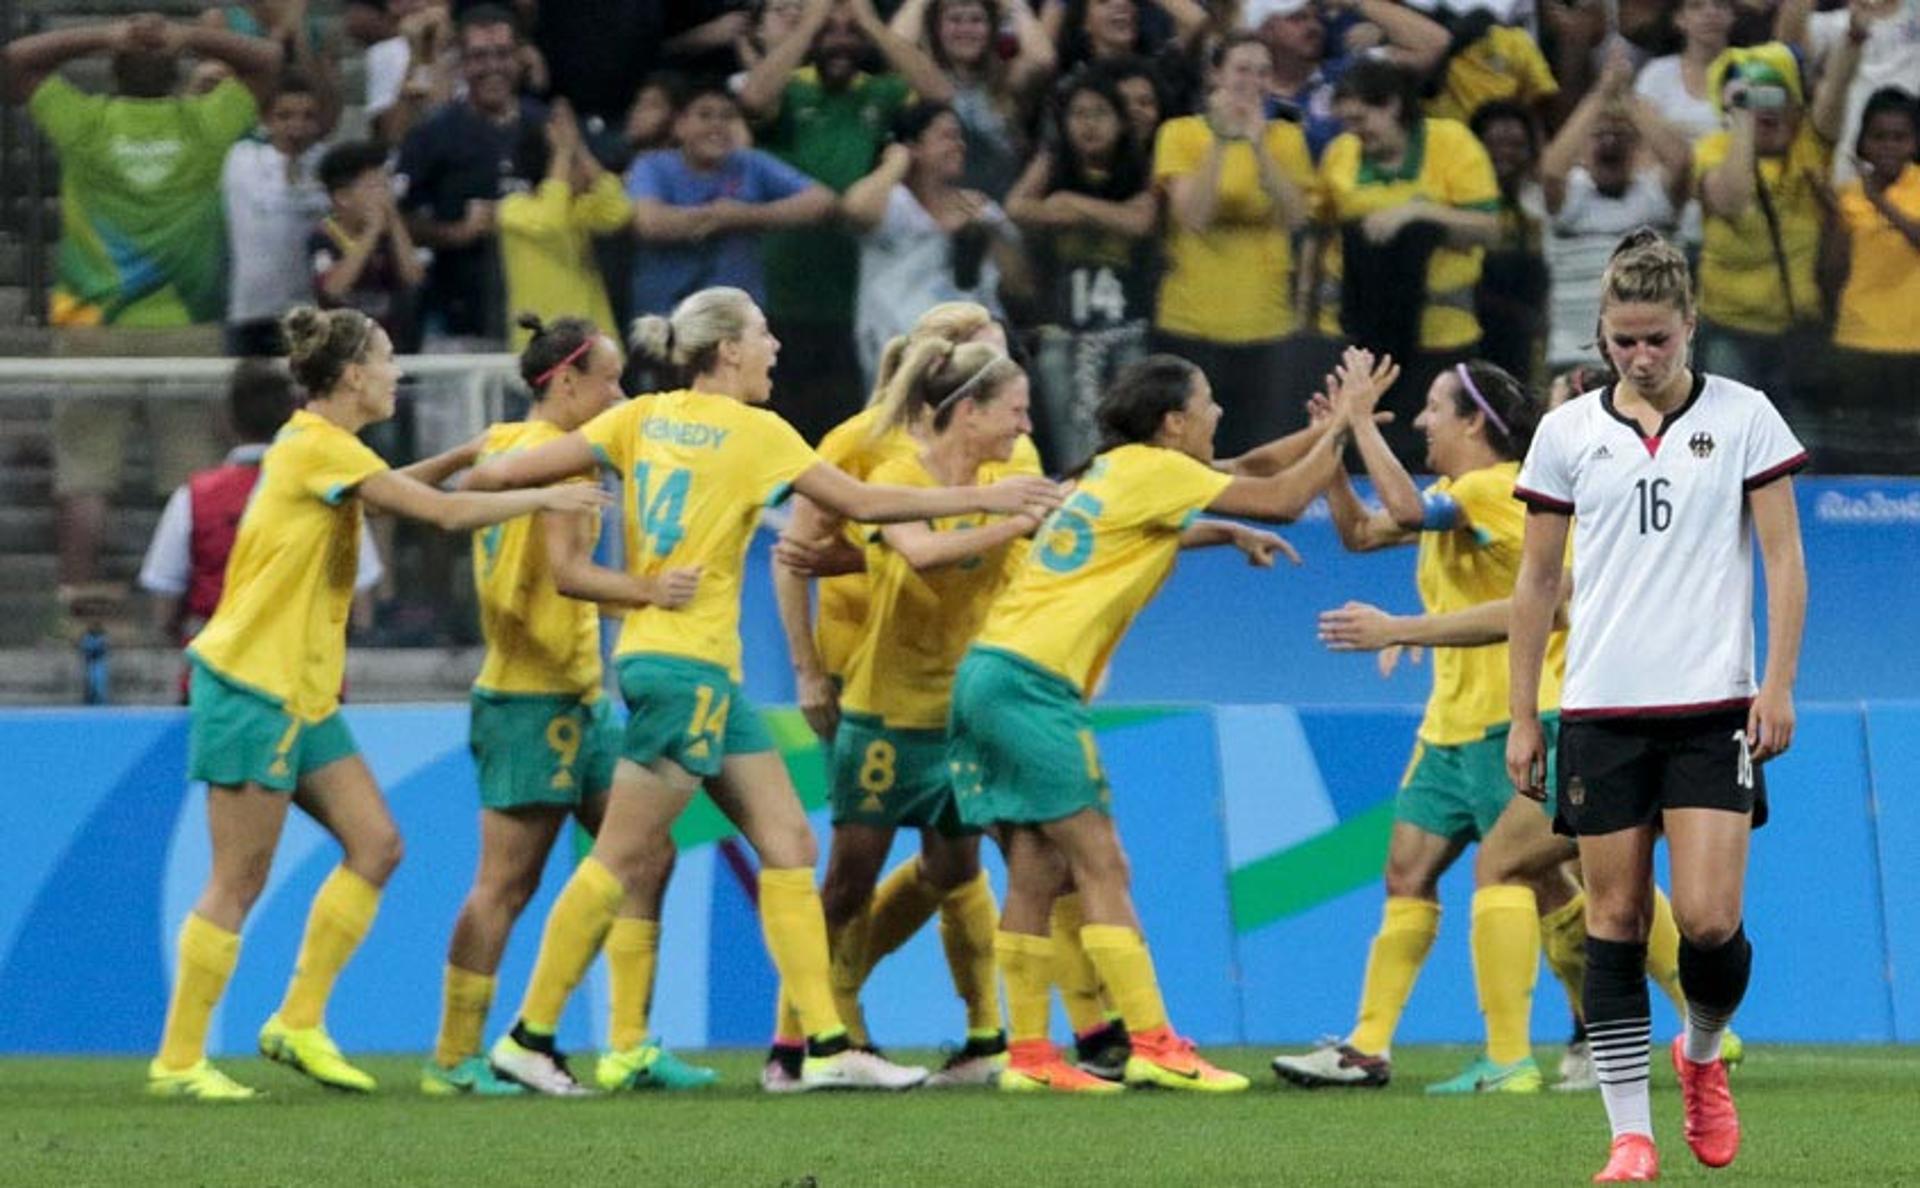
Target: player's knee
(240, 883)
(507, 895)
(844, 900)
(1707, 926)
(375, 857)
(789, 846)
(947, 867)
(1618, 920)
(1406, 880)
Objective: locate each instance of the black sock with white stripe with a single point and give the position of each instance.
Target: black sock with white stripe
(1620, 1031)
(1714, 981)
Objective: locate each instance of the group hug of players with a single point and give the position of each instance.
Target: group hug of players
(967, 610)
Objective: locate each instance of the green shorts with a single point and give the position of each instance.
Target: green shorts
(236, 736)
(688, 711)
(541, 749)
(1460, 791)
(891, 778)
(1020, 746)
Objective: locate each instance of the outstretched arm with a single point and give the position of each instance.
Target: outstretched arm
(463, 511)
(872, 503)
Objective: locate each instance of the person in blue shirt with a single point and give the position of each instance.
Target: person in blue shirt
(699, 208)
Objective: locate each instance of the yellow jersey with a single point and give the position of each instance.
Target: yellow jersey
(1445, 165)
(281, 626)
(696, 471)
(853, 446)
(1739, 270)
(538, 639)
(918, 625)
(1099, 559)
(1460, 567)
(1233, 282)
(1880, 307)
(1505, 63)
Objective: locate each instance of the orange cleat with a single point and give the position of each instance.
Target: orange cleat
(1713, 1125)
(1167, 1061)
(1632, 1161)
(1035, 1066)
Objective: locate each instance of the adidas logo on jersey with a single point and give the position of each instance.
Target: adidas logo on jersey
(1701, 444)
(1601, 453)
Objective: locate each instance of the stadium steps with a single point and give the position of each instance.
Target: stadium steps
(150, 675)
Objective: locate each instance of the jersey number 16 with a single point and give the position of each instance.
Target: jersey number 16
(1656, 510)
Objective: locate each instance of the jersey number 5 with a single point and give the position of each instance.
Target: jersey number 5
(660, 516)
(1656, 510)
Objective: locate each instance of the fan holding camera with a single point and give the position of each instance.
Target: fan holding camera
(1762, 183)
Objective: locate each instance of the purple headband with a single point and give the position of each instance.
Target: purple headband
(1460, 369)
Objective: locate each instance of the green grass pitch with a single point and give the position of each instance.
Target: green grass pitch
(1812, 1115)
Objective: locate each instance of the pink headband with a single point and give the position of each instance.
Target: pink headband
(1460, 369)
(540, 381)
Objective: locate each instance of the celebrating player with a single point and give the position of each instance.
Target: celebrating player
(1023, 750)
(1664, 478)
(266, 727)
(1477, 422)
(543, 737)
(698, 466)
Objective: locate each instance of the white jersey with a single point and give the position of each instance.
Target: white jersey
(1662, 617)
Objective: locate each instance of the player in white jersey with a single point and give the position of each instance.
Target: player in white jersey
(1664, 478)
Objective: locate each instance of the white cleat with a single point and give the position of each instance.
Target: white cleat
(1576, 1070)
(537, 1071)
(854, 1069)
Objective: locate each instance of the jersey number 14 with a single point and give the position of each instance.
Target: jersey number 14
(659, 511)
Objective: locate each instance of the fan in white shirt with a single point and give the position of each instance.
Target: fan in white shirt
(1664, 479)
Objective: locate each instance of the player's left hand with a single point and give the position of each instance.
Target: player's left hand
(1770, 723)
(826, 558)
(1356, 627)
(1261, 546)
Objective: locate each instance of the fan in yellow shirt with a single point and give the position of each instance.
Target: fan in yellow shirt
(543, 737)
(697, 466)
(929, 587)
(265, 699)
(1022, 745)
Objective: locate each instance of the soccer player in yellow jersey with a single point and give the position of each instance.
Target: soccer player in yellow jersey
(1022, 749)
(698, 465)
(929, 587)
(819, 545)
(265, 699)
(543, 738)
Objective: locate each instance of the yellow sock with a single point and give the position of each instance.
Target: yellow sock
(1073, 973)
(465, 999)
(576, 924)
(1126, 969)
(633, 948)
(968, 916)
(1026, 962)
(337, 923)
(1663, 952)
(902, 904)
(1407, 929)
(796, 932)
(847, 947)
(1505, 939)
(207, 956)
(1563, 933)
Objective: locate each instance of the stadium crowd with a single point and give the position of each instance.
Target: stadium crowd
(1249, 183)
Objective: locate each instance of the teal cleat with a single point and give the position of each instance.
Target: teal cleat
(1484, 1076)
(649, 1065)
(472, 1077)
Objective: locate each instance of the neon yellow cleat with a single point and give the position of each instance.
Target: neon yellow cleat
(1035, 1066)
(312, 1052)
(1167, 1061)
(201, 1081)
(1732, 1050)
(649, 1066)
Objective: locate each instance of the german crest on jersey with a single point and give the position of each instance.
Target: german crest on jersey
(1701, 444)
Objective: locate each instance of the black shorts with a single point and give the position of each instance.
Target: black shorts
(1618, 773)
